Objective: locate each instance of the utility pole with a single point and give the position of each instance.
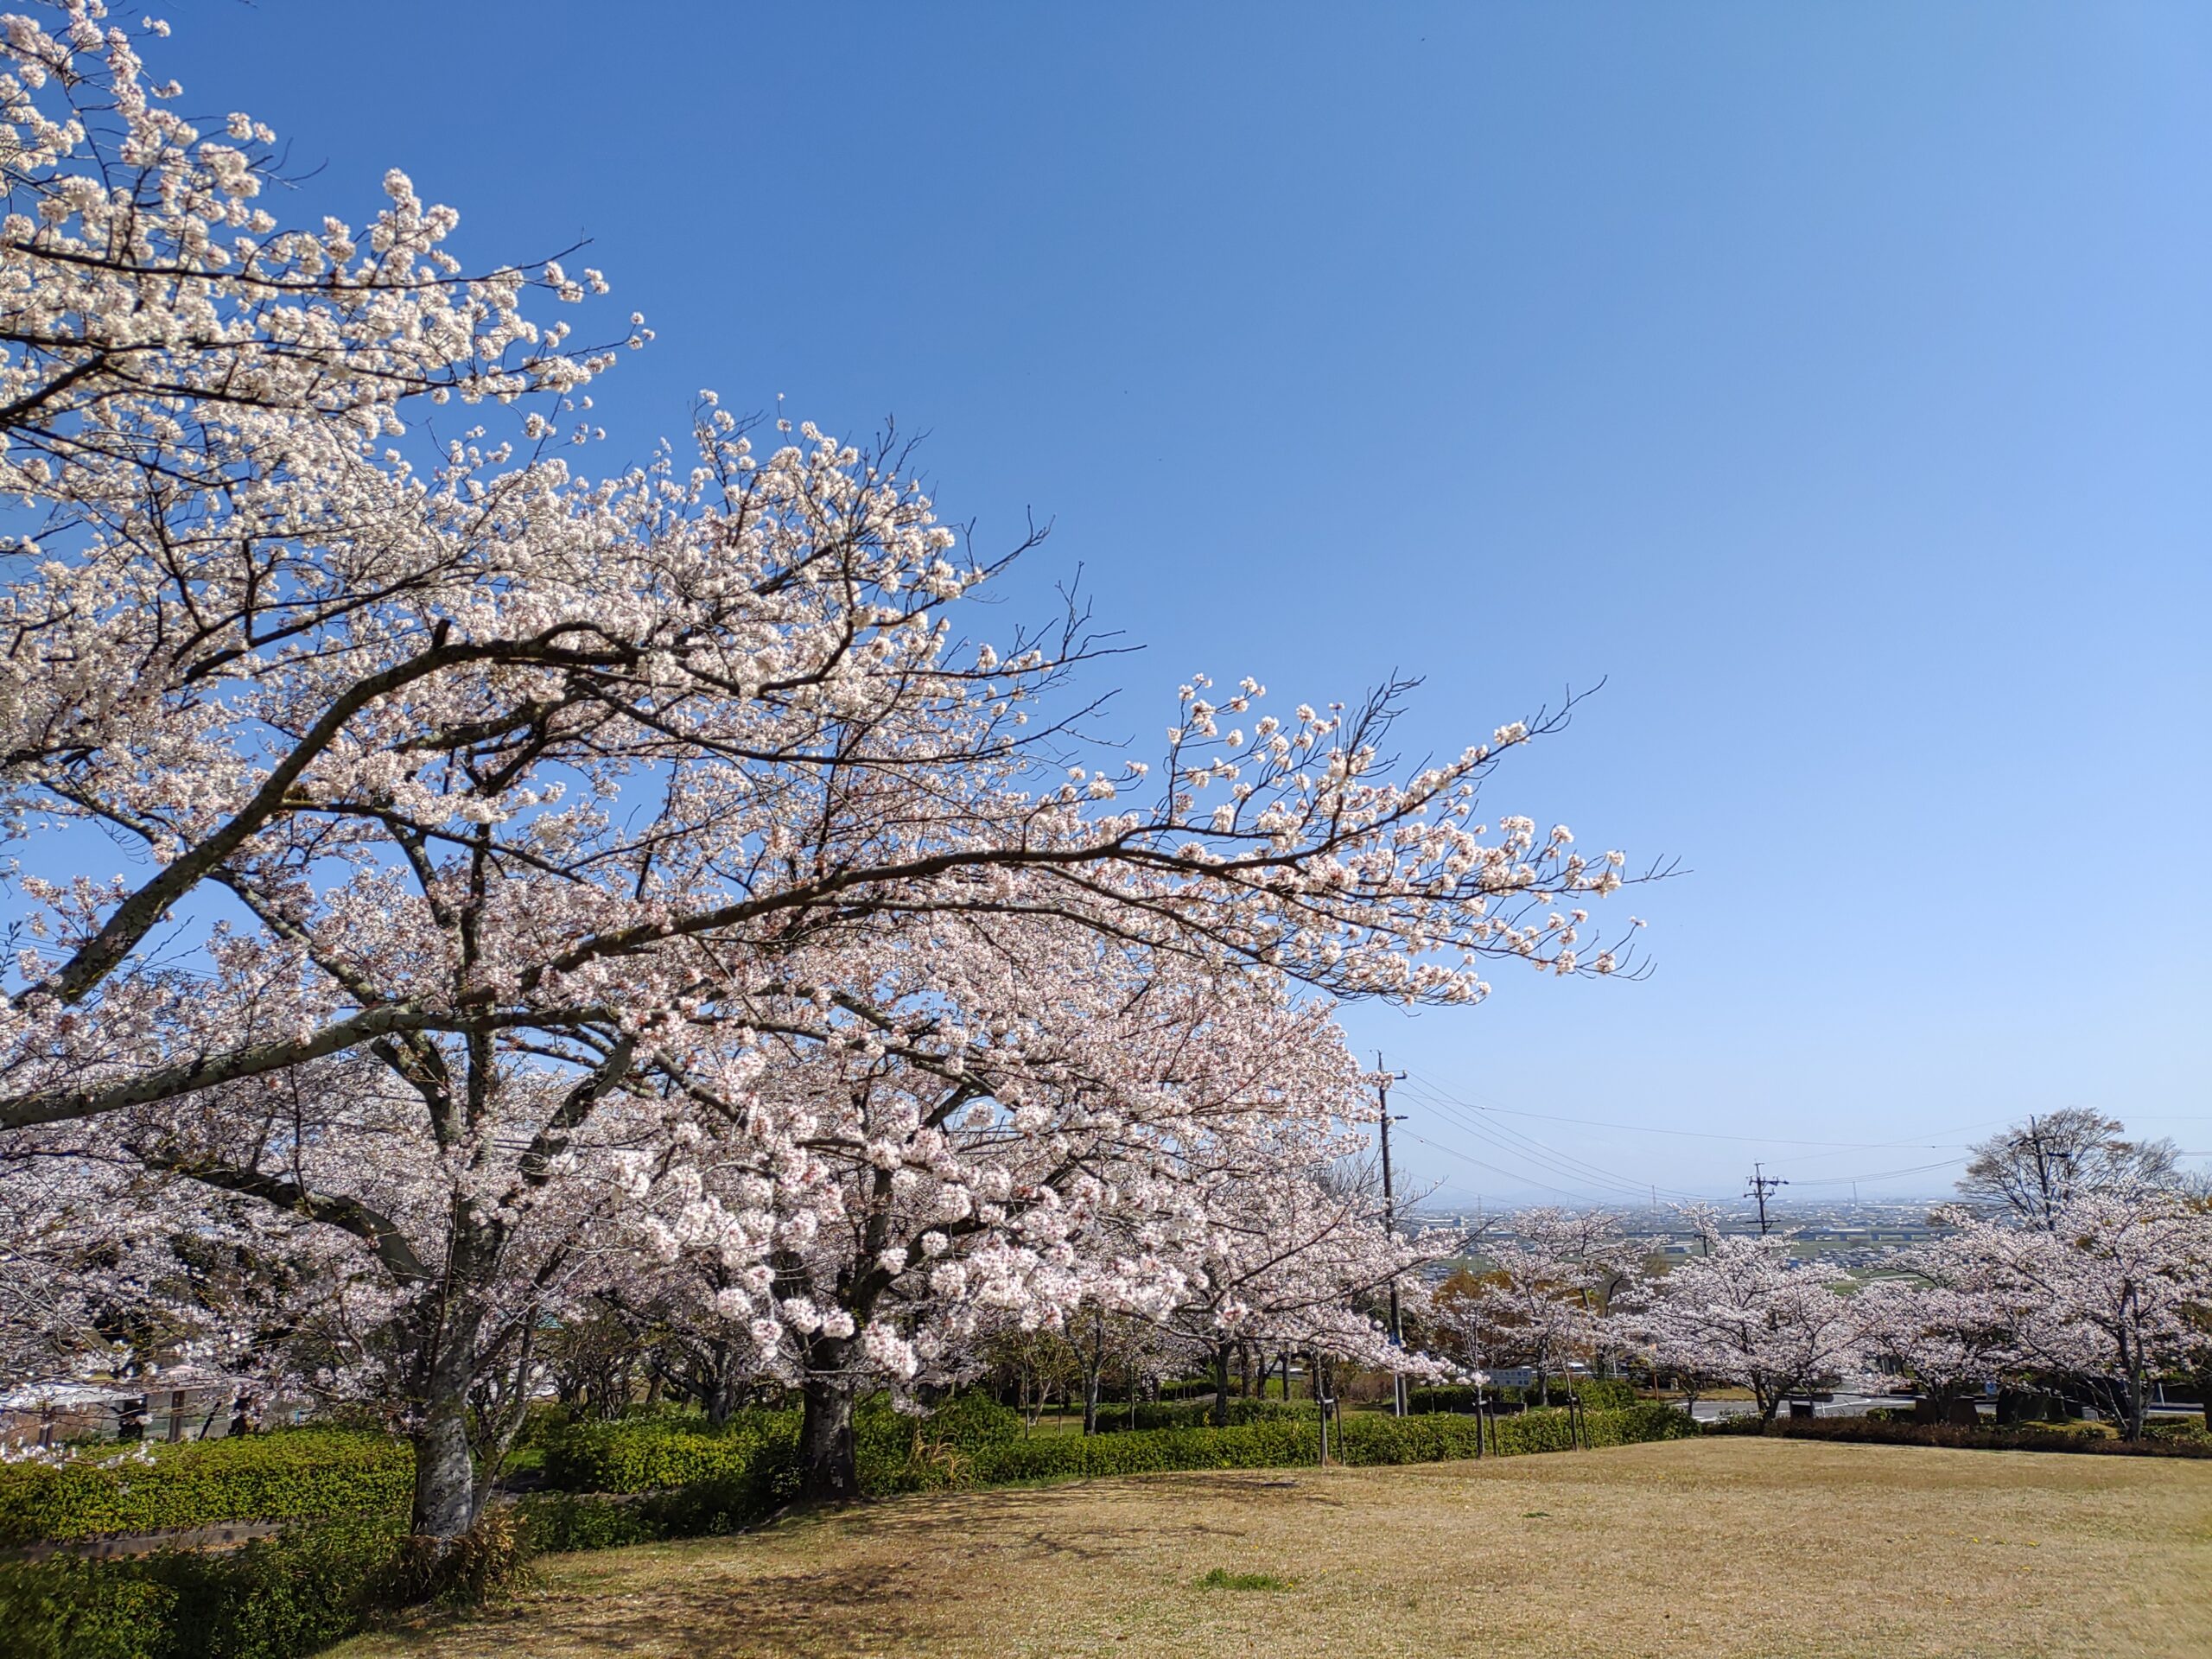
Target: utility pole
(1763, 1184)
(1384, 1079)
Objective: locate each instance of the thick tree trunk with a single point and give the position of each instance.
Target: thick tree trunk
(1221, 1385)
(445, 1474)
(826, 1429)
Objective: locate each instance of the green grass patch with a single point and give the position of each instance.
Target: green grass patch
(1222, 1578)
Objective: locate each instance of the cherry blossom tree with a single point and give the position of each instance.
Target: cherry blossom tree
(1743, 1313)
(1544, 1299)
(1282, 1247)
(1941, 1326)
(370, 1258)
(2105, 1291)
(505, 836)
(153, 311)
(897, 1170)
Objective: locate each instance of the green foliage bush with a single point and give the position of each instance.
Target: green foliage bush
(2180, 1430)
(1361, 1438)
(558, 1522)
(275, 1598)
(895, 1451)
(643, 1455)
(290, 1475)
(1873, 1432)
(969, 1422)
(747, 1473)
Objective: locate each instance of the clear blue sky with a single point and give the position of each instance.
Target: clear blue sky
(1836, 380)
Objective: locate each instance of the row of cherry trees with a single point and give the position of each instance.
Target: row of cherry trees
(547, 887)
(2080, 1262)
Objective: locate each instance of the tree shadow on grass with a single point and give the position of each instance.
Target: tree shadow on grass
(893, 1588)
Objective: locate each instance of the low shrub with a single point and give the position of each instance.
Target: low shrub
(1362, 1438)
(491, 1560)
(2180, 1430)
(289, 1475)
(1256, 1445)
(2046, 1438)
(945, 1438)
(643, 1455)
(968, 1422)
(275, 1598)
(757, 1475)
(895, 1451)
(553, 1522)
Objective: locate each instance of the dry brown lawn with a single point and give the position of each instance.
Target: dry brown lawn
(1711, 1549)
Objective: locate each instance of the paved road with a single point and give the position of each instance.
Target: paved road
(1843, 1405)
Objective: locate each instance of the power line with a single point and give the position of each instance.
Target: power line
(1516, 1144)
(1594, 1179)
(1709, 1134)
(1878, 1175)
(1542, 1153)
(1495, 1169)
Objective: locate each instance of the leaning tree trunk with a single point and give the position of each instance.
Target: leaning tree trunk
(826, 1428)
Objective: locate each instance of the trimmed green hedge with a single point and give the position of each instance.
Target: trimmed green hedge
(553, 1522)
(1867, 1432)
(643, 1455)
(273, 1599)
(754, 1473)
(293, 1474)
(647, 1454)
